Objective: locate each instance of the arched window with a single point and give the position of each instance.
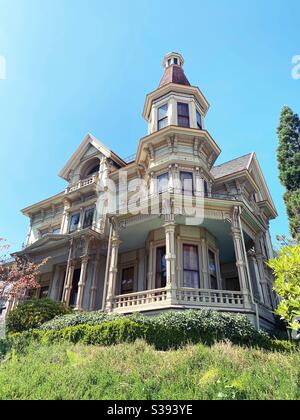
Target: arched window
(90, 168)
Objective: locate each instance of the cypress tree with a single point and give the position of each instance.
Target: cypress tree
(288, 156)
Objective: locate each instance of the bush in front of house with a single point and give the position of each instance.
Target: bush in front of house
(78, 318)
(33, 313)
(170, 329)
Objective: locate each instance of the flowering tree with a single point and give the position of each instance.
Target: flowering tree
(18, 275)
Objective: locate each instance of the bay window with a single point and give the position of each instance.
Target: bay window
(88, 218)
(183, 115)
(163, 183)
(212, 264)
(199, 120)
(162, 117)
(127, 280)
(191, 277)
(187, 183)
(74, 222)
(161, 267)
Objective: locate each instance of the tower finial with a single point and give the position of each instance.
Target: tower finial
(173, 59)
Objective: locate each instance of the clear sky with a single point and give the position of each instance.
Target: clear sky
(74, 67)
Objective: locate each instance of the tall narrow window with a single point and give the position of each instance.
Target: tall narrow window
(162, 117)
(187, 183)
(161, 267)
(74, 292)
(199, 120)
(212, 270)
(88, 218)
(183, 115)
(162, 183)
(74, 222)
(127, 280)
(205, 185)
(191, 276)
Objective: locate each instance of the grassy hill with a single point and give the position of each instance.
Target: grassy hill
(137, 371)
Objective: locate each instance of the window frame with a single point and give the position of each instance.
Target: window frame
(183, 116)
(158, 177)
(165, 118)
(184, 270)
(84, 215)
(182, 183)
(70, 222)
(199, 124)
(214, 251)
(157, 248)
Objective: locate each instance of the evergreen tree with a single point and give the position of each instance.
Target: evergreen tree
(288, 156)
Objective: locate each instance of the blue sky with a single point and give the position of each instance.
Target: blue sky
(74, 67)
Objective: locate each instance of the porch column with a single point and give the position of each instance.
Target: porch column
(205, 267)
(94, 287)
(113, 271)
(261, 269)
(256, 277)
(171, 259)
(240, 256)
(82, 282)
(150, 282)
(68, 283)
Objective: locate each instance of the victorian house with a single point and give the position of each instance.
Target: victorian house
(112, 249)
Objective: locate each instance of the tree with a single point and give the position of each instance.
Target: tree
(288, 156)
(18, 275)
(286, 268)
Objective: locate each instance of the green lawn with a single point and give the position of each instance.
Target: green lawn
(137, 371)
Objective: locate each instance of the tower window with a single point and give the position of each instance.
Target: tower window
(199, 120)
(74, 223)
(162, 117)
(175, 60)
(187, 183)
(183, 115)
(163, 183)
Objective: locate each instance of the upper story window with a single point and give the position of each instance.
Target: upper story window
(191, 276)
(90, 168)
(74, 222)
(176, 61)
(205, 185)
(199, 120)
(187, 183)
(88, 218)
(212, 270)
(162, 117)
(163, 183)
(183, 115)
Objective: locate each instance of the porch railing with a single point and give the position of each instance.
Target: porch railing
(82, 183)
(208, 297)
(184, 296)
(148, 297)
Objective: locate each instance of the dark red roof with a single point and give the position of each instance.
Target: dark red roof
(174, 74)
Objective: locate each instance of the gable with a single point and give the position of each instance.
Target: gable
(90, 147)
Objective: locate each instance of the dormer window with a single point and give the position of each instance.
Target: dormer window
(162, 117)
(183, 115)
(199, 120)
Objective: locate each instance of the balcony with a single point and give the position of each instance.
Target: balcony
(83, 184)
(191, 298)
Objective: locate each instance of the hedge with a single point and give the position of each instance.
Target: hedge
(174, 329)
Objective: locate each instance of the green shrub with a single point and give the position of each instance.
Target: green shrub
(78, 318)
(32, 314)
(285, 346)
(165, 331)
